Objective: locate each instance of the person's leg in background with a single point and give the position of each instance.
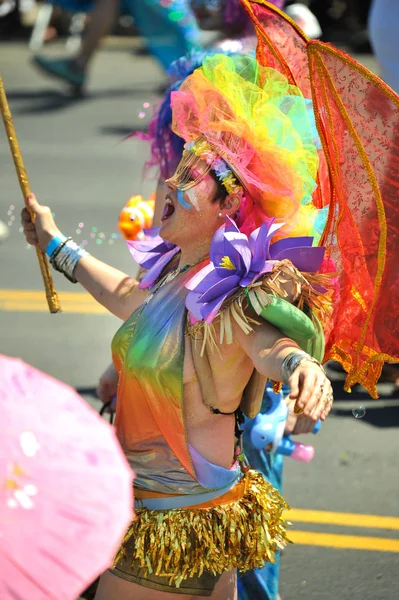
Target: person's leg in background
(102, 19)
(73, 70)
(170, 30)
(263, 584)
(383, 28)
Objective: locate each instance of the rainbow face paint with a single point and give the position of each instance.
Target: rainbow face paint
(180, 198)
(191, 193)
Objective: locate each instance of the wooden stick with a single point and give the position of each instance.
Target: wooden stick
(51, 295)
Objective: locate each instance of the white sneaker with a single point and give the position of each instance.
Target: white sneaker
(305, 19)
(3, 231)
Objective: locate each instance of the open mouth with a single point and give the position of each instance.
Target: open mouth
(168, 210)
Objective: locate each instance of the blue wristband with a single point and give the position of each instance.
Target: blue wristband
(54, 243)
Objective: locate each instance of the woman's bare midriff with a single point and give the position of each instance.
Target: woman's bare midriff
(212, 435)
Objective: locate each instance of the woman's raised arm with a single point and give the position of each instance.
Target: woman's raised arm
(119, 293)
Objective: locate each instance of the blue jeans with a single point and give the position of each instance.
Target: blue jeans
(169, 32)
(262, 584)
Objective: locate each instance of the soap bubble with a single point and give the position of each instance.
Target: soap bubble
(359, 412)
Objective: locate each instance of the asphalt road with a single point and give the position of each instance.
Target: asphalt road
(78, 164)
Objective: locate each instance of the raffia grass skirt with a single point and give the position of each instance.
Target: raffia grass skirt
(181, 543)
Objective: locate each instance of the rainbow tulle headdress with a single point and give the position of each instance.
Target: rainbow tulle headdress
(257, 132)
(166, 148)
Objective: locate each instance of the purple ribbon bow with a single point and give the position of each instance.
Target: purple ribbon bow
(237, 261)
(152, 254)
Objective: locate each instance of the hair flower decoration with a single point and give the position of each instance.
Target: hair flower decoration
(237, 261)
(203, 150)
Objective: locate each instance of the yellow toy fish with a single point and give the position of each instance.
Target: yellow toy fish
(136, 216)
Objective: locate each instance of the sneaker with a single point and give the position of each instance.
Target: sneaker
(3, 231)
(63, 68)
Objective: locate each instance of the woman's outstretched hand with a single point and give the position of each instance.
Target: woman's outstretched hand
(40, 229)
(310, 388)
(312, 391)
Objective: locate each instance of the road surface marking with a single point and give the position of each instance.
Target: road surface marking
(345, 519)
(35, 301)
(353, 542)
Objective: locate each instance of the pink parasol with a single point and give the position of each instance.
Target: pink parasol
(66, 491)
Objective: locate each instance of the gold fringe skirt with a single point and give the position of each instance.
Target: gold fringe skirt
(180, 543)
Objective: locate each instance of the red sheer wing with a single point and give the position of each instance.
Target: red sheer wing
(282, 45)
(359, 124)
(357, 118)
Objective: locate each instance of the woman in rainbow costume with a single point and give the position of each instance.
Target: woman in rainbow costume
(233, 293)
(166, 152)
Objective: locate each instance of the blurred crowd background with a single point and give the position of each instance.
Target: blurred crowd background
(359, 26)
(342, 21)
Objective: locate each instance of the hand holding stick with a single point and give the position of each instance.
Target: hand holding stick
(51, 295)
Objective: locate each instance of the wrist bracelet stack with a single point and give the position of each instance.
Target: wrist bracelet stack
(64, 255)
(293, 360)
